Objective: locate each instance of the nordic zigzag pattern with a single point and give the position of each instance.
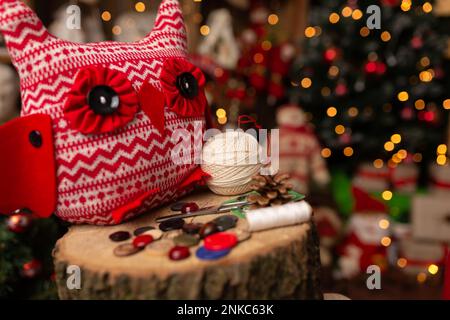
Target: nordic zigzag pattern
(99, 173)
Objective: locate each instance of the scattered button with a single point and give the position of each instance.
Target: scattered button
(177, 206)
(179, 253)
(186, 240)
(103, 100)
(192, 228)
(225, 222)
(159, 248)
(187, 84)
(142, 240)
(220, 241)
(172, 234)
(208, 229)
(189, 207)
(142, 230)
(205, 254)
(126, 249)
(120, 236)
(155, 233)
(172, 224)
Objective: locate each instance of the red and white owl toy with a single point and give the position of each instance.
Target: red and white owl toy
(97, 135)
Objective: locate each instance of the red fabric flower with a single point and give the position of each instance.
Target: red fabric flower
(183, 86)
(101, 100)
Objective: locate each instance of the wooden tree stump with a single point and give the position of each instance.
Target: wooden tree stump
(281, 263)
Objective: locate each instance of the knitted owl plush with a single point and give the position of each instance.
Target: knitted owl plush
(103, 125)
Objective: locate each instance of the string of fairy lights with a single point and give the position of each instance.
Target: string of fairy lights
(117, 29)
(426, 74)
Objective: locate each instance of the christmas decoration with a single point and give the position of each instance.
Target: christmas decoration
(366, 237)
(370, 178)
(31, 269)
(300, 152)
(329, 226)
(20, 221)
(26, 266)
(220, 45)
(417, 256)
(405, 178)
(365, 86)
(103, 177)
(430, 217)
(439, 179)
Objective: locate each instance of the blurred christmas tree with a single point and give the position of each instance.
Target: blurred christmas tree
(26, 268)
(374, 94)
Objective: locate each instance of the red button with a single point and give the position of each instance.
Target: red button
(189, 207)
(141, 241)
(220, 241)
(179, 253)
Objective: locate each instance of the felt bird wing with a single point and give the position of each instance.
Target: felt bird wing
(98, 130)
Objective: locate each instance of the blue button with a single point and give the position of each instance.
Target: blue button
(205, 254)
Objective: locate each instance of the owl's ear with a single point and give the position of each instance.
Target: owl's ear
(170, 22)
(21, 28)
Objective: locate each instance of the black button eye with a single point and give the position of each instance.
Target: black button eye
(35, 139)
(188, 85)
(103, 100)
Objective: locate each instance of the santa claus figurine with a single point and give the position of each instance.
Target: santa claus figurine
(367, 236)
(300, 151)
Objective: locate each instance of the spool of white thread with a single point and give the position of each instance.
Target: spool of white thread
(280, 216)
(232, 159)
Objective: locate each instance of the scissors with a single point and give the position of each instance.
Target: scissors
(224, 207)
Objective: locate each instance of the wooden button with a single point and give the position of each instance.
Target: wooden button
(126, 249)
(220, 241)
(159, 248)
(142, 230)
(142, 240)
(205, 254)
(208, 229)
(192, 228)
(186, 240)
(120, 236)
(179, 253)
(225, 222)
(172, 224)
(172, 234)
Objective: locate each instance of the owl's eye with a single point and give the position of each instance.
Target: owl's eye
(103, 100)
(187, 84)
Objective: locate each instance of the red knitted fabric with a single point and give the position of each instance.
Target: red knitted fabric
(107, 169)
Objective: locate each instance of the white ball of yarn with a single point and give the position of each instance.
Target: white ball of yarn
(232, 159)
